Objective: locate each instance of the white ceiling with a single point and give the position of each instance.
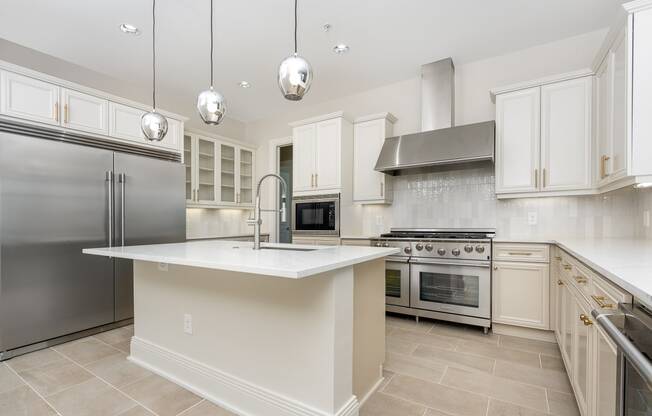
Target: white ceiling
(389, 40)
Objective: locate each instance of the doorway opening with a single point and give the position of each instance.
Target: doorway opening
(284, 169)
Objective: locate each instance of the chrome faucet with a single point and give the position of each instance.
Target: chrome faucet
(257, 221)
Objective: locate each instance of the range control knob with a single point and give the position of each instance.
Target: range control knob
(479, 249)
(419, 246)
(429, 247)
(455, 251)
(385, 244)
(441, 251)
(378, 244)
(407, 250)
(468, 248)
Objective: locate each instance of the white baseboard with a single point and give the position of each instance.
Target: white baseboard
(371, 391)
(225, 390)
(518, 331)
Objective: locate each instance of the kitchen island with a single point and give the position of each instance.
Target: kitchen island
(286, 330)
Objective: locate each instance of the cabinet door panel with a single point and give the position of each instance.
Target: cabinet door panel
(517, 141)
(189, 162)
(205, 171)
(172, 139)
(566, 135)
(85, 112)
(568, 322)
(124, 122)
(521, 294)
(368, 138)
(604, 112)
(329, 133)
(618, 165)
(228, 172)
(303, 157)
(606, 377)
(246, 178)
(29, 98)
(581, 357)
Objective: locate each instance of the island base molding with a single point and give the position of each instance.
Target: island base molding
(224, 389)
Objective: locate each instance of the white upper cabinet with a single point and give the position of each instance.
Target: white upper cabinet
(29, 98)
(125, 122)
(319, 155)
(85, 112)
(566, 135)
(517, 141)
(369, 133)
(544, 139)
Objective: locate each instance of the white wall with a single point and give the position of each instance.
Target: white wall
(472, 104)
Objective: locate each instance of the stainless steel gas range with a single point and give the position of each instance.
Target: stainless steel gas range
(441, 274)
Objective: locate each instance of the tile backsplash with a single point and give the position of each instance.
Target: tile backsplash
(465, 199)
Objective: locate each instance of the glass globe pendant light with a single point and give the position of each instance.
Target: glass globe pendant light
(211, 105)
(294, 73)
(153, 124)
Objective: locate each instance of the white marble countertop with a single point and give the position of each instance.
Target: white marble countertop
(239, 256)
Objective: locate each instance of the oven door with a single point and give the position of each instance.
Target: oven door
(397, 281)
(316, 216)
(462, 288)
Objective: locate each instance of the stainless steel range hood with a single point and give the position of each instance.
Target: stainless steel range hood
(439, 143)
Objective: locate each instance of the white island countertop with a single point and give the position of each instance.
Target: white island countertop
(239, 256)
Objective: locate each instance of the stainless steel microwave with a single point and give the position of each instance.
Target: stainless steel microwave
(316, 215)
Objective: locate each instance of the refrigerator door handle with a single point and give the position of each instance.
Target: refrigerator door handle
(109, 181)
(123, 179)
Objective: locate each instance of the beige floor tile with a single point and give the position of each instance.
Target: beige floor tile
(562, 404)
(8, 380)
(438, 341)
(388, 329)
(500, 353)
(464, 332)
(438, 397)
(206, 408)
(137, 411)
(433, 412)
(454, 358)
(552, 363)
(91, 398)
(410, 323)
(22, 401)
(86, 350)
(399, 346)
(498, 408)
(387, 376)
(415, 367)
(542, 347)
(117, 370)
(53, 378)
(35, 359)
(554, 379)
(115, 335)
(125, 346)
(380, 404)
(160, 395)
(496, 387)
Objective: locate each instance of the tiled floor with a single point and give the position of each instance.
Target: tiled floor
(436, 369)
(431, 369)
(92, 377)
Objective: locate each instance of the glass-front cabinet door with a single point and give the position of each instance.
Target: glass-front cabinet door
(245, 194)
(189, 163)
(205, 171)
(227, 174)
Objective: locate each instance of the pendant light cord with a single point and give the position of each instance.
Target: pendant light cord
(295, 27)
(154, 54)
(211, 43)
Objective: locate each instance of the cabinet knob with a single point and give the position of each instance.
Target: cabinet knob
(560, 283)
(495, 267)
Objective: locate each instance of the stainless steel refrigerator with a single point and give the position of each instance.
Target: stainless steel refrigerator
(57, 197)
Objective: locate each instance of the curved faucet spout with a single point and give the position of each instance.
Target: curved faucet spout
(257, 220)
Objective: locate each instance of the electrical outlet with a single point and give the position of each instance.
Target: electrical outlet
(532, 218)
(646, 218)
(187, 323)
(163, 267)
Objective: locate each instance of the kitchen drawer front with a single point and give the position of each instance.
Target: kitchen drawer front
(582, 279)
(355, 242)
(606, 296)
(531, 253)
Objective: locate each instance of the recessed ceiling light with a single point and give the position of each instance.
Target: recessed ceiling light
(340, 49)
(129, 29)
(244, 84)
(326, 27)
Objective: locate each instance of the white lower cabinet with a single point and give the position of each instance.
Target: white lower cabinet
(582, 354)
(521, 294)
(606, 374)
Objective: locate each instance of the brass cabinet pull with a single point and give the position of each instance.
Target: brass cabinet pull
(567, 266)
(316, 180)
(560, 283)
(519, 254)
(583, 317)
(56, 111)
(536, 178)
(381, 189)
(312, 180)
(603, 166)
(557, 258)
(543, 177)
(580, 279)
(65, 113)
(600, 300)
(587, 321)
(495, 267)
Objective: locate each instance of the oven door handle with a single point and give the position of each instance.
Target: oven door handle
(442, 262)
(393, 259)
(629, 350)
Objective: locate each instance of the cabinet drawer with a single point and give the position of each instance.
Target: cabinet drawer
(605, 296)
(538, 253)
(582, 279)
